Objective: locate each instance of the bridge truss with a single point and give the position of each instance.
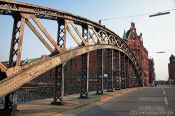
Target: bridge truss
(122, 64)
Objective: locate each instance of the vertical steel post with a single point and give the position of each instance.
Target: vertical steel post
(110, 71)
(58, 86)
(17, 40)
(84, 76)
(132, 75)
(136, 81)
(99, 71)
(123, 71)
(129, 74)
(61, 39)
(127, 71)
(85, 33)
(135, 77)
(114, 69)
(15, 57)
(85, 67)
(120, 77)
(138, 78)
(118, 66)
(59, 70)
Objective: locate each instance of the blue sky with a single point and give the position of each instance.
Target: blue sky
(158, 32)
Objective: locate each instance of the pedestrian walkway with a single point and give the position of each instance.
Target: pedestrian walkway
(71, 102)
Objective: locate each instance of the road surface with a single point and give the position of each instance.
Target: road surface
(148, 101)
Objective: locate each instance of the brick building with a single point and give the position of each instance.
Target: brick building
(151, 70)
(171, 68)
(135, 42)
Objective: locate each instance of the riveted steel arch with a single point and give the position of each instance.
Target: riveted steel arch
(94, 37)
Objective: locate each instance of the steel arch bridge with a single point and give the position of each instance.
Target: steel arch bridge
(91, 37)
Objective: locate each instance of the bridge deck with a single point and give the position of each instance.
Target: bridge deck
(71, 102)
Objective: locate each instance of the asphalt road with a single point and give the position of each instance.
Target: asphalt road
(149, 101)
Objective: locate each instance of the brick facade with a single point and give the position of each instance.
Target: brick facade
(73, 67)
(171, 68)
(135, 42)
(151, 71)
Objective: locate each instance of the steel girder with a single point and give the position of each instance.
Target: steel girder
(21, 74)
(129, 74)
(17, 40)
(99, 71)
(94, 37)
(11, 8)
(110, 71)
(127, 71)
(85, 67)
(84, 76)
(123, 71)
(118, 70)
(42, 65)
(15, 55)
(134, 76)
(114, 69)
(138, 79)
(58, 86)
(61, 39)
(59, 70)
(32, 11)
(135, 80)
(85, 33)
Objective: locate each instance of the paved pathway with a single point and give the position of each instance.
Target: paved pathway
(71, 103)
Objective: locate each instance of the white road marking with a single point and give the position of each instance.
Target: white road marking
(165, 98)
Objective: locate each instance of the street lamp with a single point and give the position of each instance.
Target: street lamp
(159, 13)
(161, 52)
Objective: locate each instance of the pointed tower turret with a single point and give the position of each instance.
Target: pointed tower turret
(125, 36)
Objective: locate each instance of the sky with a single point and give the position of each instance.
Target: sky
(158, 32)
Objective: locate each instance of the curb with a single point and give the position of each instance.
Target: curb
(77, 104)
(104, 98)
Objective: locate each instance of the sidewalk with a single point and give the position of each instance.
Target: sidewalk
(71, 102)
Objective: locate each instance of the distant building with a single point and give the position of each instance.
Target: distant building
(171, 68)
(135, 42)
(151, 71)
